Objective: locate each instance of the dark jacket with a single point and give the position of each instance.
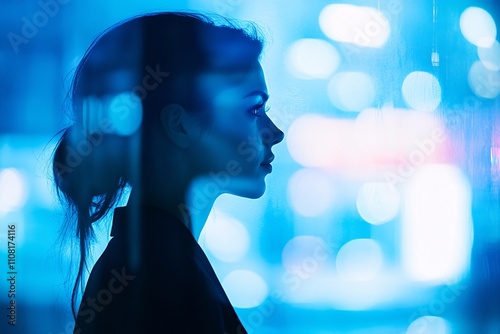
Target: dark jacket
(153, 277)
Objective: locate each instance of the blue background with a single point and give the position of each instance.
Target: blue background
(321, 252)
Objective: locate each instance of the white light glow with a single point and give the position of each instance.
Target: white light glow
(312, 59)
(225, 237)
(484, 83)
(436, 224)
(304, 255)
(125, 113)
(13, 190)
(429, 325)
(318, 141)
(422, 91)
(389, 132)
(377, 202)
(351, 91)
(359, 260)
(362, 26)
(377, 136)
(490, 57)
(329, 290)
(478, 27)
(310, 193)
(245, 288)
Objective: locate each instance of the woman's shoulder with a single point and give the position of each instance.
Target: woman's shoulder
(158, 254)
(163, 281)
(119, 291)
(151, 297)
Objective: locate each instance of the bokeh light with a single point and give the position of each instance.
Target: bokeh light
(429, 325)
(312, 59)
(484, 82)
(362, 26)
(377, 202)
(386, 133)
(119, 114)
(245, 288)
(13, 190)
(305, 253)
(125, 113)
(490, 57)
(310, 193)
(478, 27)
(359, 260)
(378, 136)
(318, 141)
(422, 91)
(351, 91)
(225, 237)
(436, 224)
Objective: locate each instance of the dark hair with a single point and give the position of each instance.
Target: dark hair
(147, 62)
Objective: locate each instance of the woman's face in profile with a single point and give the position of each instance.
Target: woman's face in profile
(234, 150)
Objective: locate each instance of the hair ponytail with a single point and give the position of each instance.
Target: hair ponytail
(88, 188)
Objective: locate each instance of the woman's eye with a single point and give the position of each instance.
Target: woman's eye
(256, 111)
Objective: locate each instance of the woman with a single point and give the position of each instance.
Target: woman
(172, 105)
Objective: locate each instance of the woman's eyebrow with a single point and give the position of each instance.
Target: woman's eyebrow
(260, 93)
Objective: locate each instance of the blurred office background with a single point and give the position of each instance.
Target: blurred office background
(382, 213)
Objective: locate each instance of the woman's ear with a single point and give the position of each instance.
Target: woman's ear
(176, 125)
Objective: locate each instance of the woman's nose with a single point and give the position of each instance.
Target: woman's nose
(271, 134)
(280, 135)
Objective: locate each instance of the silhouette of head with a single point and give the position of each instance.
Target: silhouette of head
(163, 102)
(169, 93)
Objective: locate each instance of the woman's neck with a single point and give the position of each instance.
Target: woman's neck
(191, 205)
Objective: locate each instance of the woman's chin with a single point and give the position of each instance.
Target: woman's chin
(255, 195)
(252, 190)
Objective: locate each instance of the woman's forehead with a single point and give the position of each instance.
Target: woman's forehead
(235, 84)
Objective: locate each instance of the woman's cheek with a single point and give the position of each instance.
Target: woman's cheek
(248, 151)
